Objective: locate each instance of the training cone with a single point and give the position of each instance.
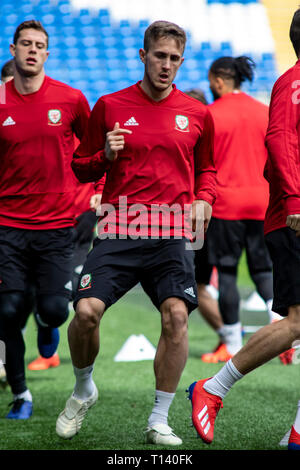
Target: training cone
(254, 303)
(136, 348)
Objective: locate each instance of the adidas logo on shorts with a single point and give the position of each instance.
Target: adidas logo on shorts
(190, 291)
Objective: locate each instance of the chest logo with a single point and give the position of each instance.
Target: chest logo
(54, 117)
(182, 123)
(131, 122)
(8, 122)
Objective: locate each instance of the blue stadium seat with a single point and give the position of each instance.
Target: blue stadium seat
(103, 17)
(93, 50)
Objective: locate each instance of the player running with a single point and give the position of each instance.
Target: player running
(282, 230)
(155, 143)
(38, 119)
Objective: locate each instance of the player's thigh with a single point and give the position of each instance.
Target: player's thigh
(257, 253)
(169, 272)
(53, 262)
(284, 248)
(203, 269)
(15, 264)
(111, 270)
(226, 240)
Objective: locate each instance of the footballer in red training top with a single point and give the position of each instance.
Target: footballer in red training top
(38, 119)
(155, 144)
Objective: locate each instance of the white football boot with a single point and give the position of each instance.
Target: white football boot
(70, 419)
(162, 434)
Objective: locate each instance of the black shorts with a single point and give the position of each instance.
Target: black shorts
(227, 239)
(284, 249)
(203, 270)
(41, 257)
(163, 267)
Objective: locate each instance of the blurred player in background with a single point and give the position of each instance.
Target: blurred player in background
(38, 121)
(140, 136)
(87, 201)
(207, 304)
(7, 71)
(242, 195)
(282, 234)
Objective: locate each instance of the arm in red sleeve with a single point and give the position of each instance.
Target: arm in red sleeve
(83, 112)
(99, 185)
(89, 162)
(282, 141)
(205, 171)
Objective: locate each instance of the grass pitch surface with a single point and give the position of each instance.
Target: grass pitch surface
(257, 412)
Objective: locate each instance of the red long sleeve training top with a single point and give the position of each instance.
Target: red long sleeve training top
(37, 185)
(240, 156)
(167, 160)
(282, 141)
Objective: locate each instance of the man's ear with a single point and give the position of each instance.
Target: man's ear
(12, 49)
(142, 54)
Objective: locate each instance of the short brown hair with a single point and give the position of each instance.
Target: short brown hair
(30, 24)
(7, 69)
(160, 29)
(295, 32)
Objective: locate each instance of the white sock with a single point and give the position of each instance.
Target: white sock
(84, 386)
(25, 395)
(273, 316)
(161, 407)
(233, 337)
(221, 333)
(297, 420)
(222, 382)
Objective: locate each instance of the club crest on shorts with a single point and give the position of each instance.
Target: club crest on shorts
(54, 117)
(85, 282)
(182, 123)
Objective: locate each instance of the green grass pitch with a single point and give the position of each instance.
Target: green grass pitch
(257, 412)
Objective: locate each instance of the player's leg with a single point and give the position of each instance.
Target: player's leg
(169, 280)
(11, 306)
(14, 275)
(53, 256)
(267, 342)
(108, 273)
(225, 245)
(260, 269)
(260, 264)
(208, 306)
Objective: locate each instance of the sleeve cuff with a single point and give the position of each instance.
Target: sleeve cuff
(292, 205)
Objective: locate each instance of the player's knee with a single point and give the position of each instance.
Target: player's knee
(175, 320)
(10, 309)
(53, 310)
(87, 315)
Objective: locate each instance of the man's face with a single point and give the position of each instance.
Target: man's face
(30, 52)
(162, 62)
(214, 85)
